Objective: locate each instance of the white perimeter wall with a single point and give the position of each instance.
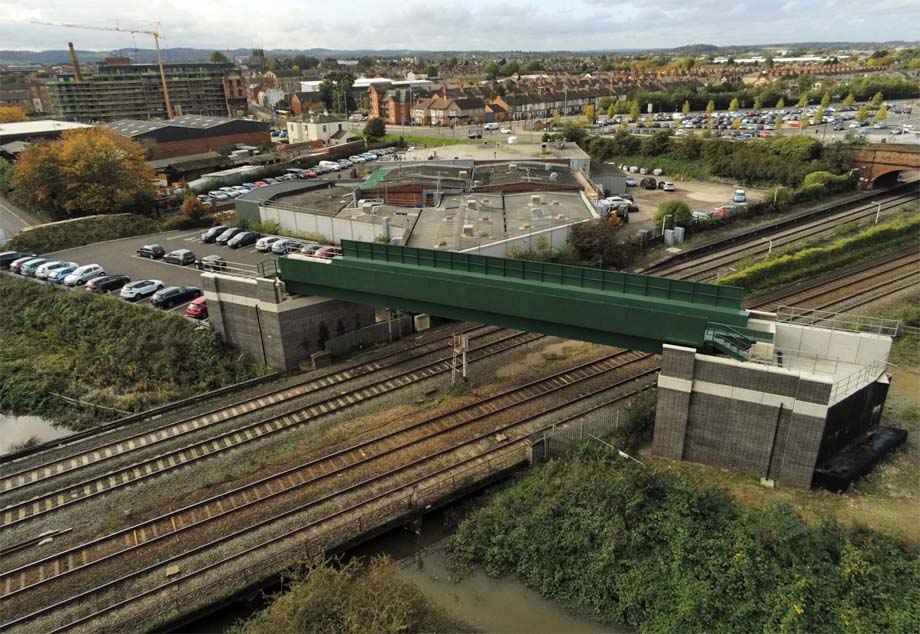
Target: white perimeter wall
(849, 347)
(333, 228)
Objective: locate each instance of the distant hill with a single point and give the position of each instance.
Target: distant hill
(183, 54)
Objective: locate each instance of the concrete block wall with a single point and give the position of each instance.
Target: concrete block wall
(253, 315)
(755, 419)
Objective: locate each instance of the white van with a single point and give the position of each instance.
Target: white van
(490, 126)
(330, 165)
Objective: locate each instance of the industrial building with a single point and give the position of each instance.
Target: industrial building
(135, 91)
(193, 134)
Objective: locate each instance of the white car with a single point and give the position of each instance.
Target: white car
(505, 130)
(219, 195)
(265, 243)
(668, 186)
(240, 190)
(47, 268)
(357, 159)
(83, 273)
(140, 289)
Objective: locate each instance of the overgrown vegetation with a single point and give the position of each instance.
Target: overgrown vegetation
(68, 234)
(102, 351)
(632, 545)
(807, 263)
(782, 160)
(270, 227)
(324, 598)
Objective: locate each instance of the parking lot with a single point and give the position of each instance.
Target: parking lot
(119, 257)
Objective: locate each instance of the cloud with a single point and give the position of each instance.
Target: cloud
(471, 25)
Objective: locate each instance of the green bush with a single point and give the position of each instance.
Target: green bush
(679, 211)
(68, 234)
(104, 351)
(181, 222)
(633, 545)
(810, 262)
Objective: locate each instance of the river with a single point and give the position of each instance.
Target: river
(17, 430)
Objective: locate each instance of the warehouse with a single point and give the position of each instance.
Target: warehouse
(193, 134)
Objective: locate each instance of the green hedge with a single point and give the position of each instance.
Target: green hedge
(634, 545)
(809, 262)
(104, 351)
(57, 236)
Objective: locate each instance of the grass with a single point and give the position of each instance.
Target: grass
(430, 141)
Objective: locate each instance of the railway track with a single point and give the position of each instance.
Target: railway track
(708, 266)
(330, 468)
(29, 509)
(12, 479)
(887, 272)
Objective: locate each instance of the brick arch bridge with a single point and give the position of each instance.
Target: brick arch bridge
(880, 163)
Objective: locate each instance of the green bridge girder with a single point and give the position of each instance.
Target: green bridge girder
(638, 312)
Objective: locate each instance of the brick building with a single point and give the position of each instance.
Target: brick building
(193, 135)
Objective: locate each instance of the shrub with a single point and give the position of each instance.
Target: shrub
(678, 210)
(375, 128)
(68, 234)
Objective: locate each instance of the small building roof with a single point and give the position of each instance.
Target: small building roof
(191, 162)
(24, 129)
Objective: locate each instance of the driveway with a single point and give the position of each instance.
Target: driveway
(13, 220)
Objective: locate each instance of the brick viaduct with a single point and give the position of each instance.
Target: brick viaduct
(879, 164)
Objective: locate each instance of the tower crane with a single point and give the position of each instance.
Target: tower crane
(156, 41)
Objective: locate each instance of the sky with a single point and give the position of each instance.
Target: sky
(457, 25)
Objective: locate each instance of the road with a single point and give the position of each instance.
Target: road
(13, 220)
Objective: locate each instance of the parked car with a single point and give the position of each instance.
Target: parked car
(174, 296)
(42, 272)
(310, 249)
(152, 251)
(474, 135)
(8, 257)
(285, 246)
(630, 181)
(505, 130)
(57, 276)
(140, 289)
(648, 183)
(30, 266)
(182, 257)
(739, 197)
(354, 158)
(328, 252)
(490, 126)
(212, 263)
(211, 234)
(16, 265)
(107, 283)
(242, 239)
(264, 244)
(225, 236)
(82, 274)
(219, 195)
(668, 186)
(198, 309)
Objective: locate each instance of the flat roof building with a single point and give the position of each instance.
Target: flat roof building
(193, 134)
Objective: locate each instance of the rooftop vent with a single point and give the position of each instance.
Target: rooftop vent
(535, 199)
(537, 213)
(554, 176)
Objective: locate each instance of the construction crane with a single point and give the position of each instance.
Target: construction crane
(156, 41)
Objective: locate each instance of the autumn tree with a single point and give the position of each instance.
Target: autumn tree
(757, 103)
(734, 105)
(850, 99)
(12, 114)
(882, 113)
(193, 208)
(589, 113)
(780, 103)
(87, 171)
(634, 110)
(826, 100)
(803, 101)
(863, 113)
(711, 106)
(6, 175)
(877, 99)
(686, 107)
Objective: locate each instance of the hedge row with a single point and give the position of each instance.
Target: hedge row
(809, 262)
(67, 234)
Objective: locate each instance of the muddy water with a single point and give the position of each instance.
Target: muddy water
(16, 430)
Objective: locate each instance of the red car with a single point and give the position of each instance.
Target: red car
(260, 184)
(198, 309)
(309, 173)
(328, 252)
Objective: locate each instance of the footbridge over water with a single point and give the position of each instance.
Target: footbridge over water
(638, 312)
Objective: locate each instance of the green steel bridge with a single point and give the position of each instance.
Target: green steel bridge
(626, 310)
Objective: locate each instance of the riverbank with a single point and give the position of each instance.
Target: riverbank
(81, 359)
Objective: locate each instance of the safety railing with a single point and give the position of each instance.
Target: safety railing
(846, 385)
(797, 360)
(837, 321)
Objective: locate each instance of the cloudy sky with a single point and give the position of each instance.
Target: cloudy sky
(465, 25)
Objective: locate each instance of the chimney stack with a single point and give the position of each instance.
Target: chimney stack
(76, 64)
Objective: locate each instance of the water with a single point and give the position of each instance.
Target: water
(16, 430)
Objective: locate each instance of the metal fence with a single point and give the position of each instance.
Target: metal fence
(558, 440)
(845, 386)
(837, 321)
(369, 335)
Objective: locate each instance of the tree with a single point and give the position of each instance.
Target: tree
(805, 82)
(877, 99)
(12, 114)
(431, 70)
(604, 104)
(634, 110)
(863, 113)
(882, 113)
(574, 133)
(734, 105)
(335, 91)
(680, 213)
(780, 103)
(803, 101)
(193, 208)
(491, 69)
(589, 113)
(711, 106)
(6, 175)
(736, 123)
(819, 115)
(374, 129)
(686, 107)
(509, 68)
(603, 242)
(87, 171)
(217, 56)
(850, 99)
(757, 103)
(533, 66)
(768, 61)
(826, 100)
